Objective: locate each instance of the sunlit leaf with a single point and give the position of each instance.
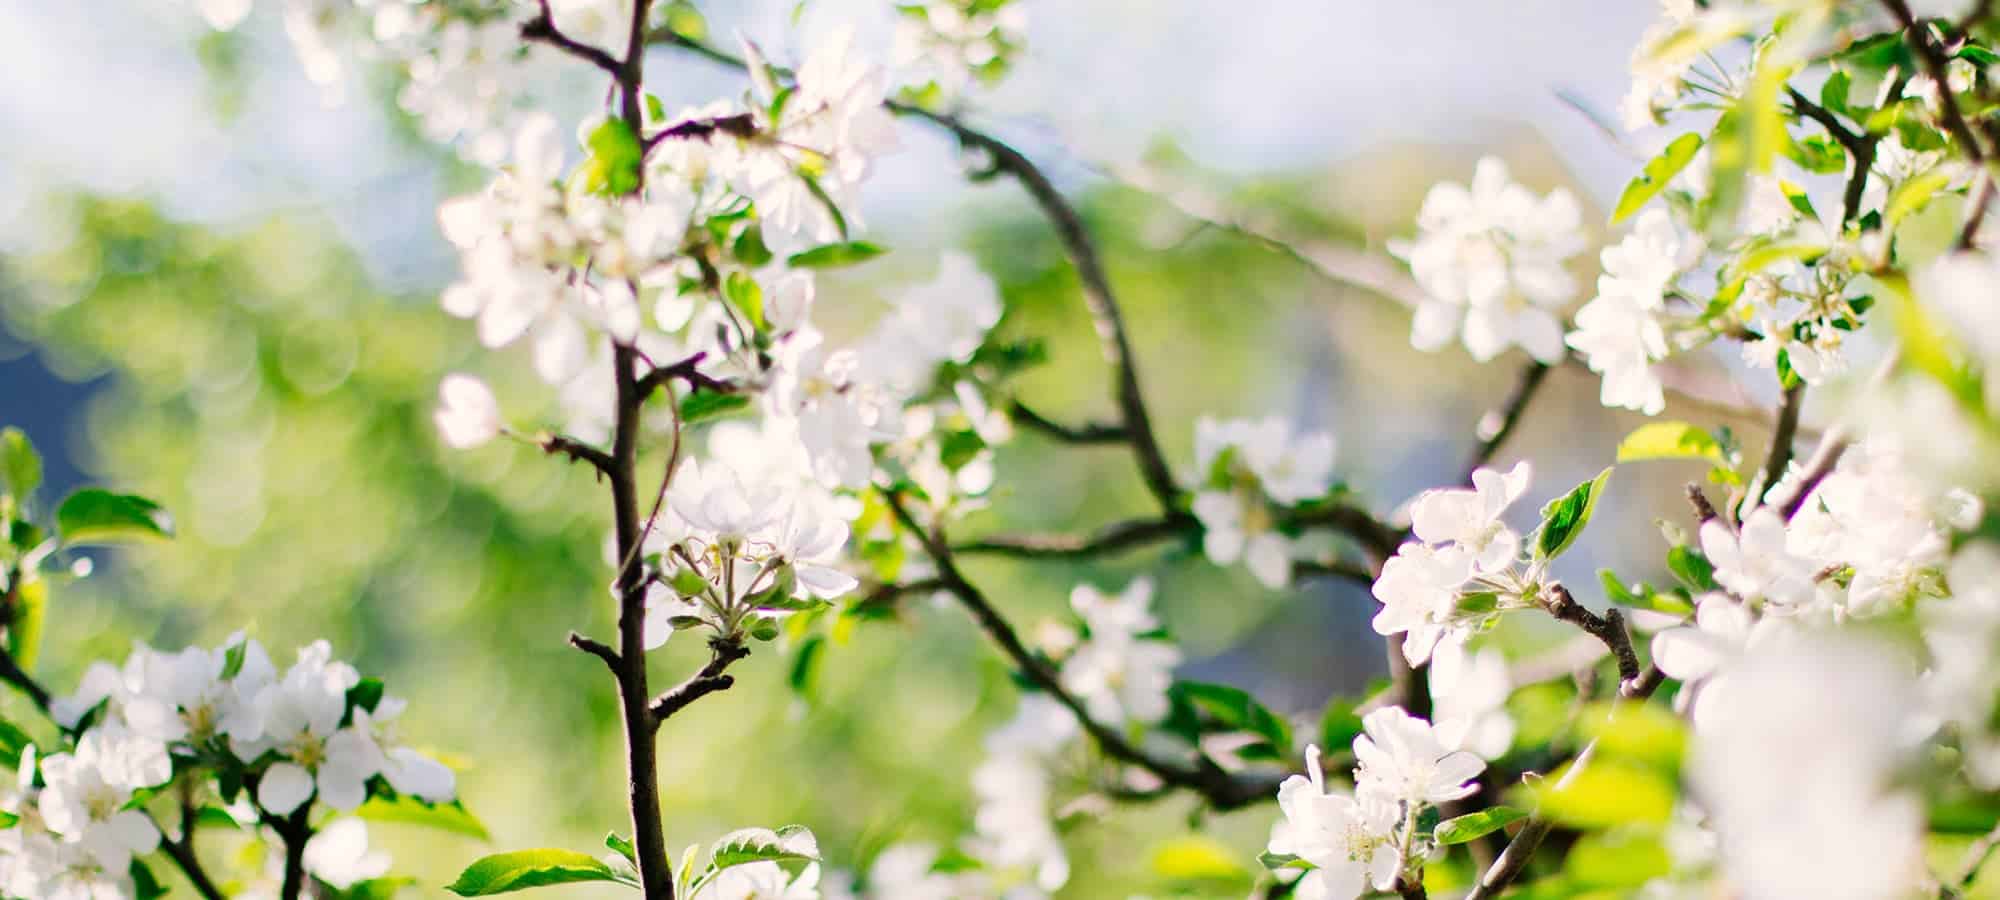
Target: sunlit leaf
(523, 869)
(96, 516)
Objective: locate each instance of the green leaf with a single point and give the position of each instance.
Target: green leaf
(1565, 517)
(12, 741)
(1603, 793)
(1476, 825)
(1653, 179)
(1276, 861)
(1233, 709)
(832, 256)
(375, 889)
(1618, 858)
(622, 847)
(407, 810)
(1671, 440)
(749, 248)
(684, 19)
(31, 612)
(96, 516)
(1692, 568)
(1197, 858)
(232, 660)
(702, 406)
(747, 296)
(805, 665)
(1638, 733)
(523, 869)
(748, 845)
(1911, 196)
(1728, 167)
(615, 155)
(1759, 254)
(365, 694)
(20, 465)
(145, 886)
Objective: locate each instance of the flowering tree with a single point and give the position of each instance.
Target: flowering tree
(1827, 640)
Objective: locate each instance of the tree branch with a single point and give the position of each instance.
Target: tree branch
(726, 650)
(1782, 436)
(579, 451)
(542, 30)
(1221, 789)
(1935, 66)
(685, 370)
(597, 649)
(1108, 539)
(1089, 433)
(1508, 416)
(1608, 628)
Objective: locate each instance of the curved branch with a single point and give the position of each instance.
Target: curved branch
(1088, 433)
(1109, 539)
(709, 680)
(1221, 789)
(542, 30)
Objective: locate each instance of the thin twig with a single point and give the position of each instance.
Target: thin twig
(542, 30)
(1508, 416)
(686, 370)
(1608, 628)
(1783, 434)
(579, 451)
(1936, 66)
(1088, 433)
(1221, 789)
(1108, 539)
(725, 650)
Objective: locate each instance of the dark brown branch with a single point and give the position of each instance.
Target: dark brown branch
(1608, 628)
(1509, 414)
(1359, 574)
(181, 851)
(294, 831)
(726, 651)
(1820, 465)
(1088, 433)
(579, 451)
(1097, 293)
(885, 596)
(1782, 436)
(1221, 789)
(1980, 199)
(1704, 511)
(1935, 65)
(1109, 539)
(686, 370)
(1411, 888)
(597, 649)
(742, 125)
(542, 30)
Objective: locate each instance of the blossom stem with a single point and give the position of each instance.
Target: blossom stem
(1092, 433)
(1783, 435)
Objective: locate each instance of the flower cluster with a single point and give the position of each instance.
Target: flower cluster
(1491, 259)
(944, 45)
(1351, 843)
(1248, 469)
(1620, 332)
(1462, 548)
(224, 720)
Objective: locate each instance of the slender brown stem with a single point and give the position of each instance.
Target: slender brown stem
(294, 831)
(1109, 539)
(1508, 416)
(1221, 789)
(1783, 434)
(1935, 65)
(1608, 628)
(1090, 433)
(725, 651)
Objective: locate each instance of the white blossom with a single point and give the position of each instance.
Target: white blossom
(1402, 760)
(1350, 840)
(1491, 260)
(468, 415)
